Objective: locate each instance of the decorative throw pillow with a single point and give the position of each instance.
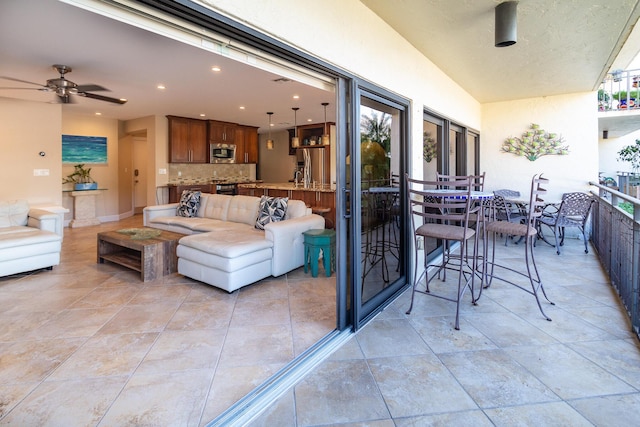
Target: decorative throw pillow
(189, 204)
(272, 209)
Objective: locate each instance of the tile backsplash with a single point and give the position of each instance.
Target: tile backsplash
(188, 173)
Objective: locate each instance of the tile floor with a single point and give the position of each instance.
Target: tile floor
(506, 366)
(89, 344)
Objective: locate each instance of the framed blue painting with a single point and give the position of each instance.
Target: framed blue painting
(84, 149)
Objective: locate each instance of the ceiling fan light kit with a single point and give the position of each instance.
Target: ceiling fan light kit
(64, 88)
(506, 24)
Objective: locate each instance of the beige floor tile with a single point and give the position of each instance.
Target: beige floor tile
(282, 413)
(566, 372)
(349, 394)
(458, 419)
(66, 403)
(176, 351)
(177, 399)
(83, 322)
(383, 338)
(232, 383)
(140, 318)
(442, 338)
(620, 357)
(493, 379)
(208, 314)
(617, 410)
(108, 297)
(274, 311)
(544, 414)
(251, 345)
(12, 394)
(35, 360)
(161, 294)
(106, 355)
(505, 329)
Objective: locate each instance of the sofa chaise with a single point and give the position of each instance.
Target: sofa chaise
(222, 246)
(28, 238)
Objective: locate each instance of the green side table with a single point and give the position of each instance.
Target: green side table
(314, 242)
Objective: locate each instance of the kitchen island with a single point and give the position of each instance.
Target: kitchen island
(317, 197)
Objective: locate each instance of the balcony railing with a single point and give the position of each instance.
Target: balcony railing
(616, 237)
(620, 91)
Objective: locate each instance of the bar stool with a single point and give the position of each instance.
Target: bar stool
(314, 241)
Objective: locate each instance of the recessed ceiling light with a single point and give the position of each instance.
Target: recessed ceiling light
(296, 96)
(98, 113)
(202, 114)
(161, 87)
(309, 120)
(242, 107)
(216, 68)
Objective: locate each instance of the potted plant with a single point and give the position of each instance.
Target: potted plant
(81, 178)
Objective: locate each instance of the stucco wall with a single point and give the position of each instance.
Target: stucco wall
(26, 128)
(573, 116)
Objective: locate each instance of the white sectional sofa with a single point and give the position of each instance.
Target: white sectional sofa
(223, 248)
(28, 238)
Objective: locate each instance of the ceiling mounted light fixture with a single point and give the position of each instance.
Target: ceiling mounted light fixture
(269, 140)
(325, 135)
(295, 142)
(506, 24)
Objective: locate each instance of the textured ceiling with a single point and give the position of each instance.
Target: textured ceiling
(563, 46)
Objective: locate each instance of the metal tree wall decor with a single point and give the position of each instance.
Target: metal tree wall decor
(535, 143)
(428, 147)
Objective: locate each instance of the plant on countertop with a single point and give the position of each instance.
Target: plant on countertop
(80, 177)
(631, 154)
(535, 143)
(428, 147)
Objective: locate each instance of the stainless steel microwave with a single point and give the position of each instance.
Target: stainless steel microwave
(223, 153)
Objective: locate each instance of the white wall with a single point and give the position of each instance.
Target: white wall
(573, 116)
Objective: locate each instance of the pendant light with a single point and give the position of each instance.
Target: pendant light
(295, 142)
(506, 19)
(325, 135)
(269, 140)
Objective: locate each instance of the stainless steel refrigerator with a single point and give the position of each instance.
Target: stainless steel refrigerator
(317, 172)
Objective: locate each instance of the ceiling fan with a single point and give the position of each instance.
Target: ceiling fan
(65, 88)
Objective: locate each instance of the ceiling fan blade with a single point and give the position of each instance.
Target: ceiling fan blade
(22, 88)
(102, 98)
(91, 88)
(21, 81)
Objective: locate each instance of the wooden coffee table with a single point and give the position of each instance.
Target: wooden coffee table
(154, 257)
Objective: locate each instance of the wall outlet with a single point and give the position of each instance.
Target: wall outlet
(162, 171)
(41, 172)
(179, 173)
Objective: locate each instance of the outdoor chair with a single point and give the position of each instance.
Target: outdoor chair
(505, 211)
(443, 213)
(572, 212)
(528, 231)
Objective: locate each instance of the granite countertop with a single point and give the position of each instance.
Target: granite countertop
(325, 188)
(215, 181)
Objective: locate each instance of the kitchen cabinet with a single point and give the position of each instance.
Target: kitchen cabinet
(222, 132)
(187, 140)
(246, 144)
(175, 191)
(309, 136)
